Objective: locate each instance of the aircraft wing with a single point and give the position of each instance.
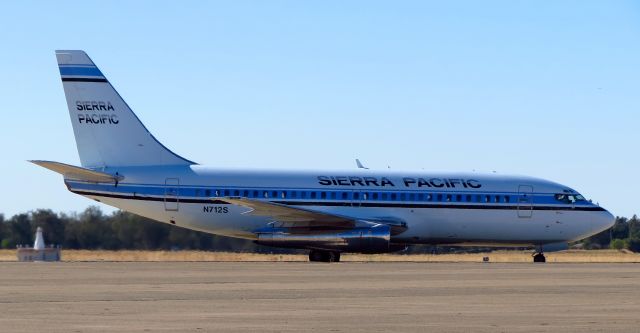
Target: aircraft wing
(291, 216)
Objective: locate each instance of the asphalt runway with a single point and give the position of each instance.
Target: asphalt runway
(343, 297)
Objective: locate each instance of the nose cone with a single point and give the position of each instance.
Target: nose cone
(602, 221)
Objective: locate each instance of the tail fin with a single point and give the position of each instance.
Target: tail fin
(107, 132)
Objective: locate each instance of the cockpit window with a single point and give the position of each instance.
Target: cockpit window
(569, 198)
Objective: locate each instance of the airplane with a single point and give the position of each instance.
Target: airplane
(327, 212)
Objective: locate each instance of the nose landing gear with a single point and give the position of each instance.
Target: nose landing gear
(538, 256)
(324, 256)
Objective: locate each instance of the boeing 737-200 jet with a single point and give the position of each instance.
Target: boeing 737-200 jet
(326, 212)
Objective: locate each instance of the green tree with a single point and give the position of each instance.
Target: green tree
(19, 230)
(633, 242)
(634, 227)
(620, 229)
(4, 233)
(53, 227)
(598, 241)
(618, 244)
(93, 232)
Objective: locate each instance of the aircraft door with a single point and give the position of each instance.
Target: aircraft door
(525, 201)
(171, 199)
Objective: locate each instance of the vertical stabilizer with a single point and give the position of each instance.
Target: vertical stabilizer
(107, 132)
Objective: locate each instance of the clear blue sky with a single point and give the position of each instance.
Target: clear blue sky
(548, 89)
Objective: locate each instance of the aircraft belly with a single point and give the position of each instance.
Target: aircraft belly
(425, 225)
(193, 216)
(469, 225)
(491, 226)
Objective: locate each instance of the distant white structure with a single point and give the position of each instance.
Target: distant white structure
(39, 243)
(39, 252)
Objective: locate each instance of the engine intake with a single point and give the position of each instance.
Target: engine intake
(374, 239)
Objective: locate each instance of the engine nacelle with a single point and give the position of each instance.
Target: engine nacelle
(374, 239)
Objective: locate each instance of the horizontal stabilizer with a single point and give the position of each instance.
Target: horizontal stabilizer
(78, 173)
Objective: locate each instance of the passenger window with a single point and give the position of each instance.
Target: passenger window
(245, 193)
(294, 194)
(266, 194)
(429, 197)
(393, 196)
(403, 197)
(468, 197)
(458, 197)
(375, 196)
(303, 195)
(284, 194)
(236, 193)
(226, 193)
(356, 195)
(313, 195)
(478, 198)
(207, 193)
(497, 198)
(255, 194)
(487, 198)
(384, 196)
(420, 196)
(448, 197)
(364, 196)
(323, 195)
(507, 198)
(439, 197)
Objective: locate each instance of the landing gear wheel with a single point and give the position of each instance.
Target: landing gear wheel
(324, 256)
(539, 257)
(315, 255)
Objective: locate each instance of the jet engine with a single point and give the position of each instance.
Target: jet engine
(373, 239)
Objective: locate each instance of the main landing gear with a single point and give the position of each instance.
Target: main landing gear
(324, 256)
(539, 257)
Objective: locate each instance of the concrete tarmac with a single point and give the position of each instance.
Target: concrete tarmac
(343, 297)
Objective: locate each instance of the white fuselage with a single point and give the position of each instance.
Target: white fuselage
(437, 208)
(123, 165)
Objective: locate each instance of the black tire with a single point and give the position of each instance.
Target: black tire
(324, 256)
(539, 257)
(316, 256)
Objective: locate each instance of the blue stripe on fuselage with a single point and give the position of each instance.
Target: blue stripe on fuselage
(209, 193)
